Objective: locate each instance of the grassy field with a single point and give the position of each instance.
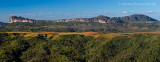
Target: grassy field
(94, 34)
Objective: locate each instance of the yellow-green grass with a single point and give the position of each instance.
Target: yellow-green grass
(94, 34)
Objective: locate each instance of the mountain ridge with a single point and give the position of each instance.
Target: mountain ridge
(2, 24)
(106, 19)
(100, 19)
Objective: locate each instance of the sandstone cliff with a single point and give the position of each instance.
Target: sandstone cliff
(99, 19)
(105, 19)
(20, 19)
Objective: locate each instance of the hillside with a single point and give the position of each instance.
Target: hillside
(137, 17)
(100, 19)
(105, 19)
(132, 23)
(2, 24)
(49, 26)
(79, 47)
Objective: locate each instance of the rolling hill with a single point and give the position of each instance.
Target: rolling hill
(79, 47)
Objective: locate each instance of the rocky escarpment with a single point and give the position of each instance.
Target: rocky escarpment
(20, 19)
(105, 19)
(99, 19)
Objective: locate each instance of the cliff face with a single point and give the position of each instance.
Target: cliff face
(100, 19)
(20, 19)
(104, 19)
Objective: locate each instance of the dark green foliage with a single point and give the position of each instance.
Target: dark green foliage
(51, 26)
(11, 47)
(79, 48)
(2, 24)
(137, 48)
(71, 46)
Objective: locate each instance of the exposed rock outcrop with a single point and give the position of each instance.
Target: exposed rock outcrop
(105, 19)
(100, 19)
(20, 19)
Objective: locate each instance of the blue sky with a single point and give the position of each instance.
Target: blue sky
(67, 9)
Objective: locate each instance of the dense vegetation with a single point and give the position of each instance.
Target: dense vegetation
(132, 23)
(50, 26)
(2, 24)
(53, 47)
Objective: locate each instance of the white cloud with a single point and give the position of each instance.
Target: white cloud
(149, 12)
(145, 12)
(124, 12)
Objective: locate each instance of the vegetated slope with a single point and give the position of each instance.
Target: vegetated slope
(50, 26)
(100, 19)
(137, 17)
(56, 47)
(133, 23)
(105, 19)
(2, 24)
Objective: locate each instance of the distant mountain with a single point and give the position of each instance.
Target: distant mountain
(137, 17)
(132, 23)
(2, 24)
(100, 19)
(105, 19)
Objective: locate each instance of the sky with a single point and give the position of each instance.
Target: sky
(68, 9)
